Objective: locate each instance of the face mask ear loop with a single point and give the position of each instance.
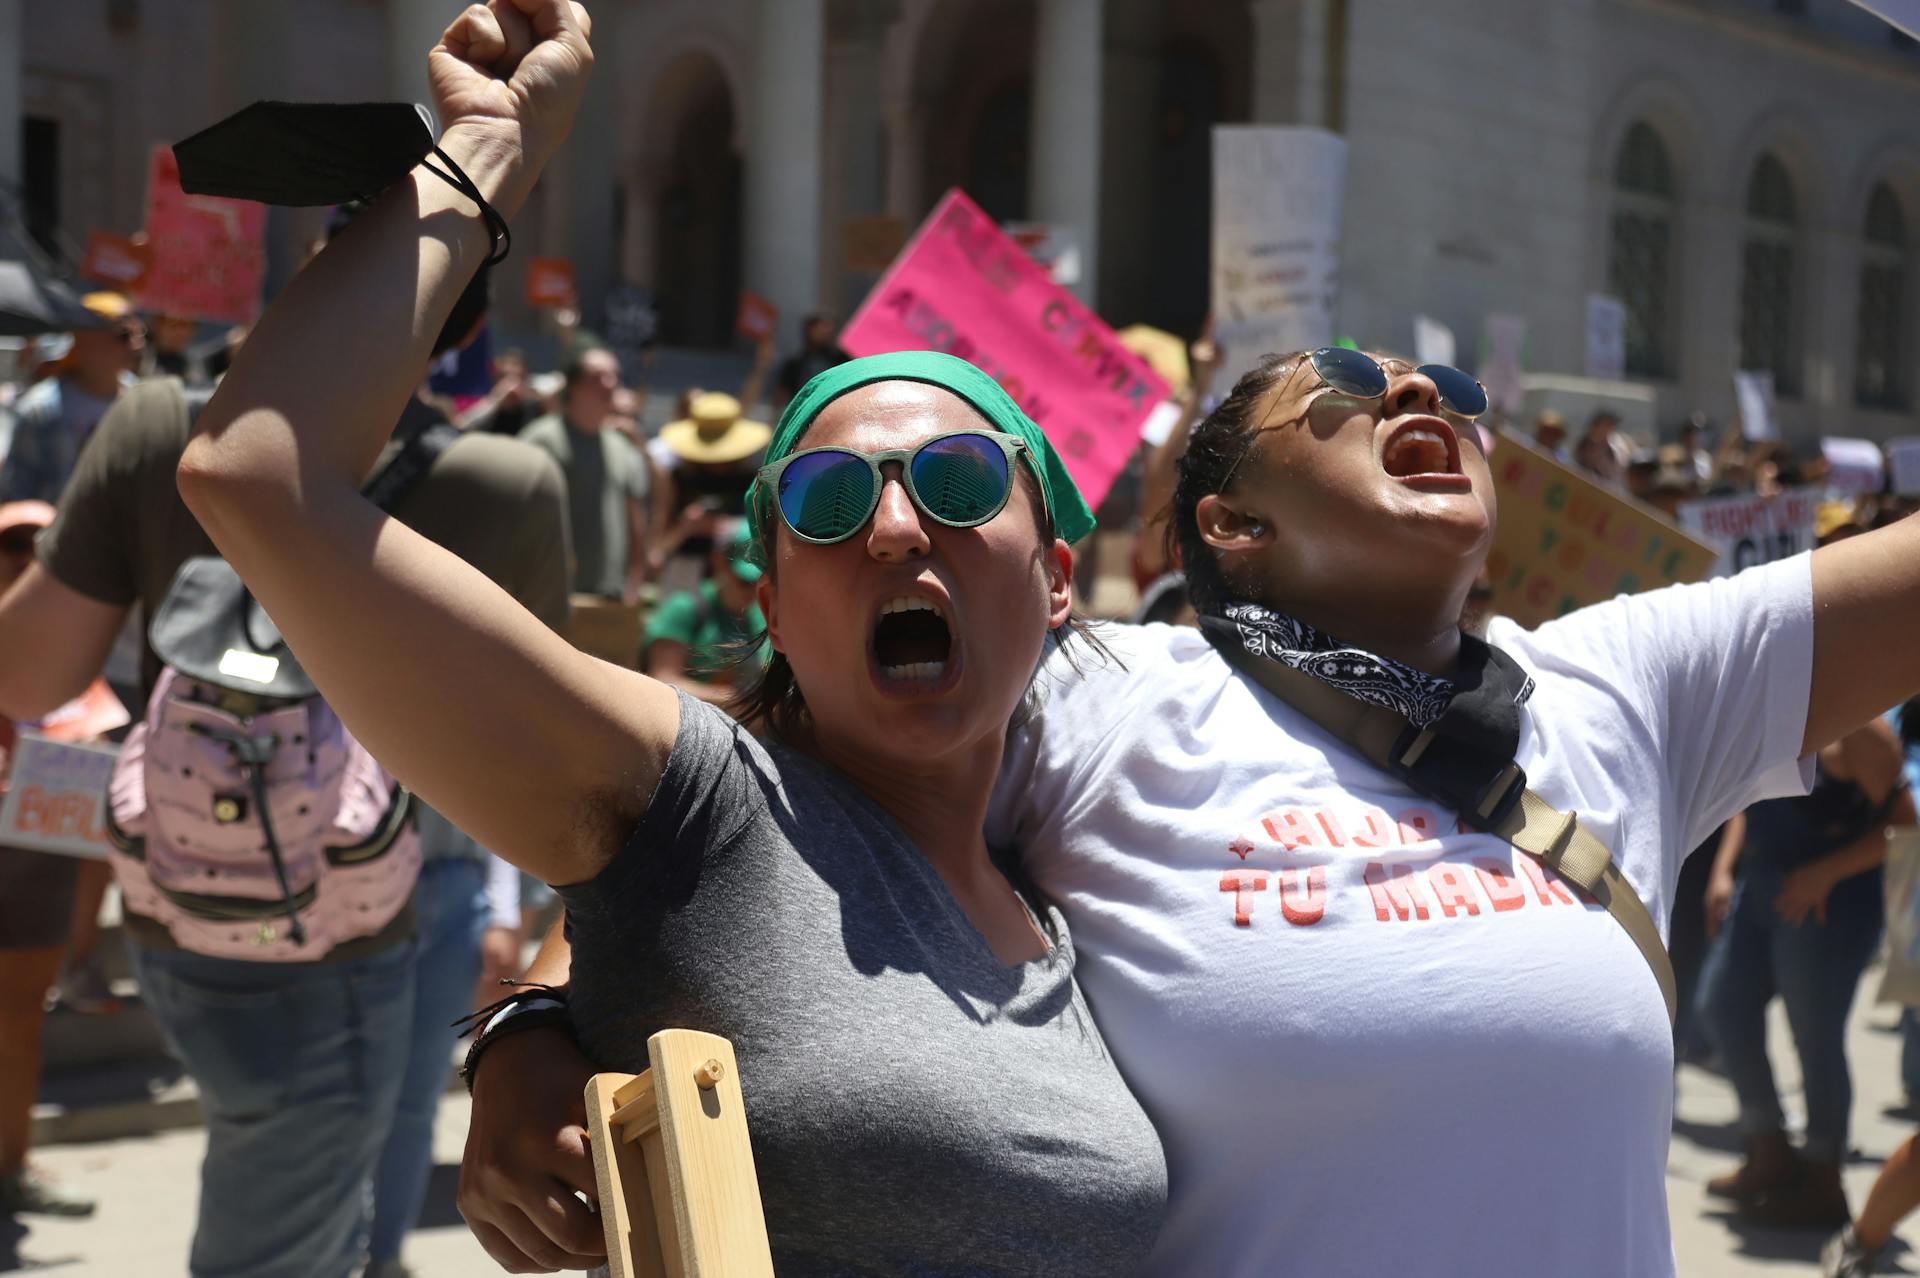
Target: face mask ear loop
(496, 225)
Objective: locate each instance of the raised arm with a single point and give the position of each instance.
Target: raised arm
(1866, 614)
(538, 751)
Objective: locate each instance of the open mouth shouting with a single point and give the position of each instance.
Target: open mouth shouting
(1424, 452)
(911, 649)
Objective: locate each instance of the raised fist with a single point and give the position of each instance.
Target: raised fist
(510, 73)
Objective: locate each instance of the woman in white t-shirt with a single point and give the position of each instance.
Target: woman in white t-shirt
(1371, 1038)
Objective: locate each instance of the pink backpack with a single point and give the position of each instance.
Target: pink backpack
(241, 812)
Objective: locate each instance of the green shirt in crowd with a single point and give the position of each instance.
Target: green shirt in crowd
(697, 619)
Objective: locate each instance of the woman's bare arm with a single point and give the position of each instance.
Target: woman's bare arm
(524, 742)
(1866, 614)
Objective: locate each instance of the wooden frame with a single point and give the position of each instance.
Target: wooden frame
(678, 1193)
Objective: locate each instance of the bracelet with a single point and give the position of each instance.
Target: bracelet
(496, 225)
(533, 1008)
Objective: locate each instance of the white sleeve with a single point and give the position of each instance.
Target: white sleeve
(503, 893)
(1720, 671)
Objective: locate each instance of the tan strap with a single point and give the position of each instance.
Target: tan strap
(1556, 839)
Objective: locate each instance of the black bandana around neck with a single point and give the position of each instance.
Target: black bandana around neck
(1393, 685)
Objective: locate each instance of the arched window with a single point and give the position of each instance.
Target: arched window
(1879, 360)
(1766, 276)
(1640, 247)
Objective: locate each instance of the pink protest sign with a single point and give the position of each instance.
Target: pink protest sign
(963, 286)
(209, 255)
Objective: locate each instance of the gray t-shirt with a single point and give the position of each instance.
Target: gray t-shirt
(916, 1106)
(605, 471)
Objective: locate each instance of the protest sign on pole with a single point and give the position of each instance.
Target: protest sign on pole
(1854, 466)
(756, 318)
(1753, 391)
(1606, 338)
(118, 261)
(1277, 196)
(550, 282)
(209, 257)
(1749, 530)
(1563, 541)
(55, 797)
(1432, 341)
(1501, 363)
(964, 287)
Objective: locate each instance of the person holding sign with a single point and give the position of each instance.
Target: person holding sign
(827, 901)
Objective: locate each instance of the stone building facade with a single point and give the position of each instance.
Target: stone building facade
(1744, 174)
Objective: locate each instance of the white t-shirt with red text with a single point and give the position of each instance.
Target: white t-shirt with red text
(1373, 1043)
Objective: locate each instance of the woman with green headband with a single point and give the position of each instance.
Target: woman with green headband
(925, 1089)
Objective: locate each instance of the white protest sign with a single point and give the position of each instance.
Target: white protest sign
(1054, 246)
(1753, 391)
(1432, 341)
(1903, 460)
(1500, 364)
(1606, 337)
(1752, 530)
(1854, 466)
(1277, 195)
(55, 799)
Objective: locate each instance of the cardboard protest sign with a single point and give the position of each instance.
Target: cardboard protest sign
(1749, 530)
(208, 253)
(1854, 466)
(1277, 195)
(1903, 461)
(869, 244)
(964, 287)
(756, 317)
(550, 282)
(1606, 337)
(118, 261)
(1564, 542)
(55, 800)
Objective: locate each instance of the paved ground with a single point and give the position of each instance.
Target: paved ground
(148, 1187)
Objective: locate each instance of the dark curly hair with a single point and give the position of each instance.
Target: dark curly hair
(1214, 453)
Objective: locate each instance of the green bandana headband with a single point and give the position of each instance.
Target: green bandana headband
(1068, 509)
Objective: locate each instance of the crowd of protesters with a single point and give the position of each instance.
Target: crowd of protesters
(320, 1072)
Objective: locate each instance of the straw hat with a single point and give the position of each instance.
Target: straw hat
(714, 432)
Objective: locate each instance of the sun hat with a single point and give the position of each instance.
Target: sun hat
(714, 432)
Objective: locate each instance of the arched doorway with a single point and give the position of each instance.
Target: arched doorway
(696, 249)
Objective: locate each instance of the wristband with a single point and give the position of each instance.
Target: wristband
(533, 1008)
(496, 225)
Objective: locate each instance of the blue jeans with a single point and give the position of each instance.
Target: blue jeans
(1815, 968)
(452, 902)
(298, 1066)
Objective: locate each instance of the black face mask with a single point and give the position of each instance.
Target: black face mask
(301, 154)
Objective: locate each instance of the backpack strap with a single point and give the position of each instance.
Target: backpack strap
(416, 456)
(1555, 839)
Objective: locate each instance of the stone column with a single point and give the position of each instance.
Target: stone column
(856, 136)
(1063, 177)
(785, 118)
(588, 197)
(10, 89)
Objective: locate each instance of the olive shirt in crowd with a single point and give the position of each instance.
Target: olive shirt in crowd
(122, 531)
(604, 471)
